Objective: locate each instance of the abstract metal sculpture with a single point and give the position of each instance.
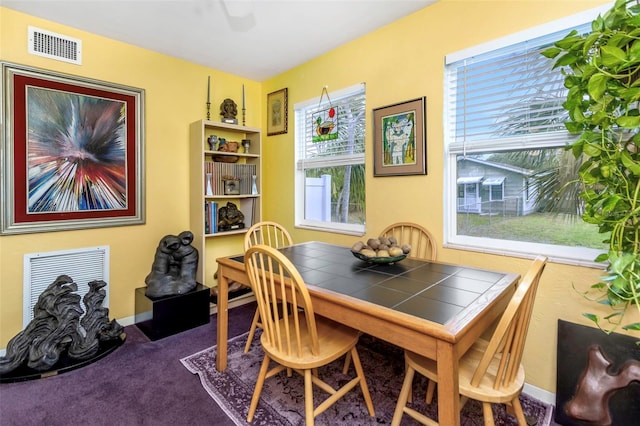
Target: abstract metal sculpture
(57, 330)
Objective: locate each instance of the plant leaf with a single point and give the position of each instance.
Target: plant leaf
(597, 85)
(628, 162)
(612, 56)
(633, 326)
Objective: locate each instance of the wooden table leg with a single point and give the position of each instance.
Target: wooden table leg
(223, 319)
(448, 388)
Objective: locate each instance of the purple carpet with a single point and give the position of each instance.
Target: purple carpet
(140, 383)
(282, 400)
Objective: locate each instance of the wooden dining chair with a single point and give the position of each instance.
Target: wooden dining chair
(490, 371)
(293, 337)
(274, 235)
(423, 244)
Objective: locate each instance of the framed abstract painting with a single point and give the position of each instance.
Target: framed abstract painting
(72, 152)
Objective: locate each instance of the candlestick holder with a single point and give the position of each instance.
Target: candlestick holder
(208, 111)
(244, 114)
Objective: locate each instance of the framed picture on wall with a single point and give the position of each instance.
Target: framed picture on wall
(277, 112)
(399, 139)
(72, 152)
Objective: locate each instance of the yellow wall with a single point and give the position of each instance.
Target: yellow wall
(403, 61)
(176, 94)
(399, 62)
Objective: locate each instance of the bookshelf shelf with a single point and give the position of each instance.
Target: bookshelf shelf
(204, 207)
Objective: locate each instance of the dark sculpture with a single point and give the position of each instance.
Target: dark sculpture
(228, 109)
(56, 327)
(174, 266)
(229, 217)
(596, 385)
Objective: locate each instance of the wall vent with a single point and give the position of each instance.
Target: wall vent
(55, 46)
(82, 265)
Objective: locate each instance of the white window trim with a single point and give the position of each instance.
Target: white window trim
(580, 256)
(300, 221)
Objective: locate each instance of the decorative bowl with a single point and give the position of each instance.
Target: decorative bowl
(379, 260)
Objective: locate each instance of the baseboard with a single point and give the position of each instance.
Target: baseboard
(539, 394)
(233, 303)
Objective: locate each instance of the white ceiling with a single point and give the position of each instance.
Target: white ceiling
(255, 39)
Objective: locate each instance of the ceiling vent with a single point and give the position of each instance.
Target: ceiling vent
(55, 46)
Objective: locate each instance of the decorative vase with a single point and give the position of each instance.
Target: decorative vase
(209, 184)
(246, 144)
(254, 186)
(213, 142)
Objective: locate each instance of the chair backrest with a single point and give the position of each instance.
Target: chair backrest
(511, 332)
(271, 234)
(286, 311)
(423, 244)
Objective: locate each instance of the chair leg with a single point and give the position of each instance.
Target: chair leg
(410, 396)
(431, 387)
(517, 411)
(363, 381)
(258, 389)
(308, 398)
(252, 330)
(487, 412)
(404, 394)
(347, 362)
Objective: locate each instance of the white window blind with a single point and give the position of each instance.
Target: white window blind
(507, 98)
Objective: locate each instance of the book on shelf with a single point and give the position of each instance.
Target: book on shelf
(210, 217)
(244, 172)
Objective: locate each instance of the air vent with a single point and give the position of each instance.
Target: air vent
(82, 265)
(55, 46)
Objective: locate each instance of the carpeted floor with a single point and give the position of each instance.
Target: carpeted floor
(282, 401)
(140, 383)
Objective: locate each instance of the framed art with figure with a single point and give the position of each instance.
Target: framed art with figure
(277, 112)
(399, 139)
(72, 152)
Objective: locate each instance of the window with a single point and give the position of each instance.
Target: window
(504, 144)
(330, 154)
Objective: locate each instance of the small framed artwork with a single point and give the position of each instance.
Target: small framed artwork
(399, 139)
(277, 112)
(72, 152)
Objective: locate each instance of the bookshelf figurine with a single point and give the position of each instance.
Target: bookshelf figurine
(228, 111)
(229, 218)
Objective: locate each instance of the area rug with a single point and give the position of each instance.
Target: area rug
(282, 400)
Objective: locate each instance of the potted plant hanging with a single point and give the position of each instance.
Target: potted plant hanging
(602, 70)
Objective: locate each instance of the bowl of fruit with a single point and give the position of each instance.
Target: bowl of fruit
(380, 250)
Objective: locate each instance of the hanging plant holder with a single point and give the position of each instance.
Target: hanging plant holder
(325, 122)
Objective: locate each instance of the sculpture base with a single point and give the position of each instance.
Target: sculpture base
(230, 120)
(65, 363)
(160, 317)
(231, 227)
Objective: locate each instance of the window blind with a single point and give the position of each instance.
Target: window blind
(507, 98)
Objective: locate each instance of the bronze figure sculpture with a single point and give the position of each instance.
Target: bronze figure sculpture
(174, 266)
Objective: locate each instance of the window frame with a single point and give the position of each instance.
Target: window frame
(358, 158)
(582, 256)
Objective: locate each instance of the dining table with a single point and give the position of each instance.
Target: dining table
(431, 308)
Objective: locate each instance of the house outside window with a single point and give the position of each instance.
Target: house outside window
(505, 150)
(330, 157)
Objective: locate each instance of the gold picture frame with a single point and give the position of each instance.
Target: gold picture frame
(277, 112)
(399, 141)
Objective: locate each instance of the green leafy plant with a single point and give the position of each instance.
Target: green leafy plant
(602, 71)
